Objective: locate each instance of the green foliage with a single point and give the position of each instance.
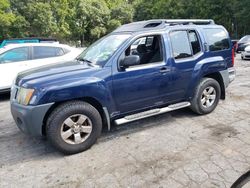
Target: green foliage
(88, 20)
(39, 15)
(233, 14)
(91, 19)
(6, 18)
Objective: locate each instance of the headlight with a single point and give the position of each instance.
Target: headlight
(24, 96)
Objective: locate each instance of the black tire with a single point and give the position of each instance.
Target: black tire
(64, 111)
(196, 104)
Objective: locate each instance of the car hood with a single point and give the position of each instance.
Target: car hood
(244, 43)
(52, 71)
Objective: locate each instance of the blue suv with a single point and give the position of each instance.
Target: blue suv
(139, 70)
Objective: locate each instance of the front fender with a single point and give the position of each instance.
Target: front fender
(76, 89)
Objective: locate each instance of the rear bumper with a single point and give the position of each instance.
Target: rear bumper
(231, 74)
(29, 119)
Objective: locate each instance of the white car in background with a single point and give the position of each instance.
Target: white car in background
(246, 53)
(15, 58)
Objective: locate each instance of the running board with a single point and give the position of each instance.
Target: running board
(152, 112)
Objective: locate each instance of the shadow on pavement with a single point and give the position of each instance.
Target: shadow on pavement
(16, 147)
(147, 123)
(4, 97)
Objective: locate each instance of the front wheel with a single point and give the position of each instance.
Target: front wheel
(206, 96)
(74, 127)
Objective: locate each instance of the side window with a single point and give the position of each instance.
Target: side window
(217, 39)
(149, 41)
(15, 55)
(59, 52)
(180, 44)
(66, 51)
(195, 44)
(40, 52)
(148, 48)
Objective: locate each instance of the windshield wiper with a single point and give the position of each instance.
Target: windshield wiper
(90, 63)
(84, 60)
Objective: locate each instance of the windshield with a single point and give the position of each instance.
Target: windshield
(245, 39)
(100, 52)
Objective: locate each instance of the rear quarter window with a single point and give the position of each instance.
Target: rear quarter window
(40, 52)
(217, 39)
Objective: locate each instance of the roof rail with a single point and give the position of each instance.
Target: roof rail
(161, 23)
(190, 21)
(157, 22)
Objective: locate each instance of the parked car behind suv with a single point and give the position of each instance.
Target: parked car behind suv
(6, 42)
(15, 58)
(246, 53)
(181, 63)
(243, 43)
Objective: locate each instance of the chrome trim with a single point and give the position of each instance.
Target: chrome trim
(232, 74)
(146, 66)
(151, 112)
(13, 92)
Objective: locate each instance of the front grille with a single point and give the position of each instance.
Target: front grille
(18, 78)
(14, 91)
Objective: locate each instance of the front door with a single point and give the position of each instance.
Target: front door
(144, 85)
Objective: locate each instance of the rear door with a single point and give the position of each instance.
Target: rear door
(45, 55)
(186, 52)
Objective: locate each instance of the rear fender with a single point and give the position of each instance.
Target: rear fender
(205, 67)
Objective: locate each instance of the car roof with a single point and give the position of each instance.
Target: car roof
(163, 24)
(11, 46)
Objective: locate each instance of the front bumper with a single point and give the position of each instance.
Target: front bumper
(29, 119)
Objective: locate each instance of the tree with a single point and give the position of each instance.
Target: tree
(41, 20)
(121, 12)
(6, 18)
(61, 12)
(89, 20)
(241, 17)
(233, 14)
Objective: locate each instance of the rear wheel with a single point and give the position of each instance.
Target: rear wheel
(74, 127)
(206, 96)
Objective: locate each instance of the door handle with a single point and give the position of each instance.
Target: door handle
(165, 70)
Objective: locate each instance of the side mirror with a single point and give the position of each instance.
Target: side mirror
(129, 61)
(206, 46)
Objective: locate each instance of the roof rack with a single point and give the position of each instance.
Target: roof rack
(171, 22)
(161, 23)
(190, 21)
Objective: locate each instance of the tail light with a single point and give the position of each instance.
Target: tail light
(232, 56)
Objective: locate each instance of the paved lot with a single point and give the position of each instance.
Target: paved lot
(178, 149)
